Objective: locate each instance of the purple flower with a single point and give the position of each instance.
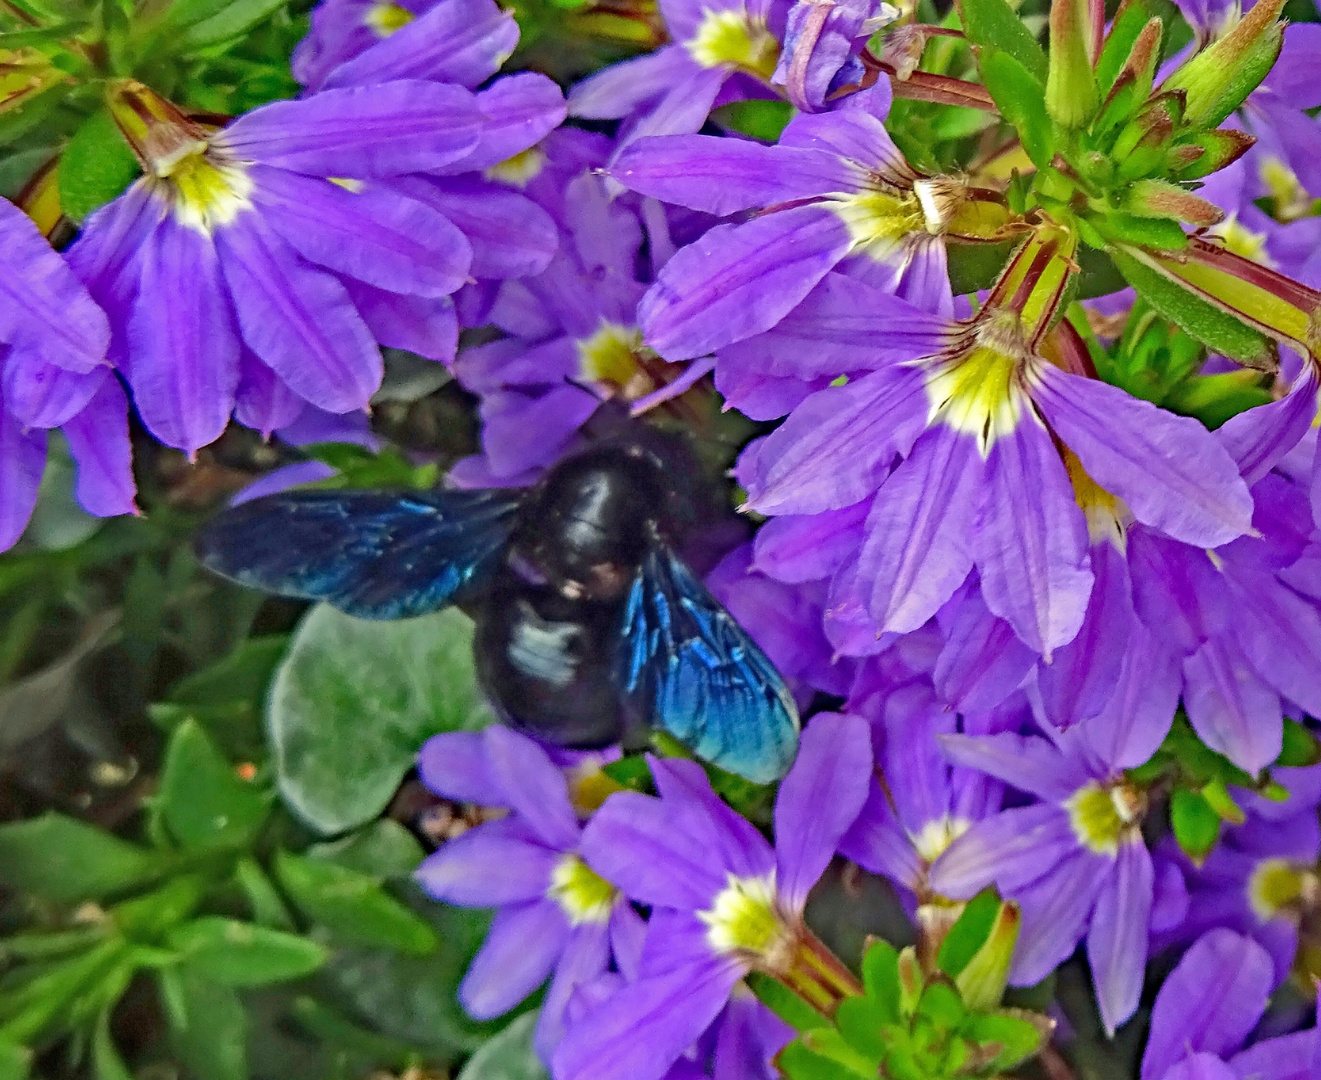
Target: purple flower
(717, 46)
(362, 42)
(978, 418)
(835, 191)
(1074, 859)
(1261, 877)
(1209, 1005)
(723, 901)
(54, 374)
(556, 915)
(821, 45)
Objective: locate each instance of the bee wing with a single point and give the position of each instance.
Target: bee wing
(691, 669)
(373, 554)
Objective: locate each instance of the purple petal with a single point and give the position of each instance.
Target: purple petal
(917, 550)
(1169, 469)
(99, 442)
(1055, 910)
(497, 862)
(453, 42)
(518, 111)
(374, 235)
(844, 325)
(728, 836)
(1117, 939)
(1232, 710)
(426, 326)
(522, 946)
(877, 842)
(1257, 438)
(1081, 676)
(1204, 1067)
(684, 108)
(1136, 719)
(38, 394)
(818, 800)
(640, 1032)
(1295, 77)
(22, 460)
(1027, 762)
(803, 548)
(46, 316)
(983, 661)
(620, 89)
(1031, 540)
(839, 445)
(1280, 634)
(511, 236)
(586, 956)
(1290, 1057)
(454, 766)
(1209, 1002)
(365, 131)
(722, 176)
(1013, 849)
(533, 788)
(181, 333)
(1176, 589)
(262, 400)
(747, 1039)
(298, 320)
(855, 135)
(738, 280)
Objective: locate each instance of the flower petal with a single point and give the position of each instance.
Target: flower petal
(1055, 910)
(1136, 719)
(363, 131)
(46, 316)
(1117, 939)
(855, 135)
(533, 787)
(511, 236)
(1027, 762)
(620, 89)
(1258, 438)
(298, 320)
(983, 660)
(877, 842)
(522, 947)
(586, 956)
(518, 111)
(1031, 540)
(427, 326)
(837, 448)
(181, 335)
(808, 547)
(454, 765)
(452, 42)
(374, 235)
(1209, 1002)
(38, 394)
(22, 461)
(917, 550)
(818, 800)
(1169, 469)
(1230, 707)
(497, 862)
(1013, 849)
(738, 280)
(722, 176)
(99, 442)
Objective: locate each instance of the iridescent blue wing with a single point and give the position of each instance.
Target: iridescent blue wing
(373, 554)
(689, 668)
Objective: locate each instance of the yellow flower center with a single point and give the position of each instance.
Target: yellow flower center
(732, 39)
(385, 18)
(1276, 884)
(1101, 815)
(205, 189)
(519, 170)
(937, 835)
(880, 221)
(743, 918)
(1241, 240)
(610, 354)
(979, 391)
(583, 895)
(1105, 513)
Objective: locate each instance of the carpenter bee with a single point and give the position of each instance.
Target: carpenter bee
(590, 627)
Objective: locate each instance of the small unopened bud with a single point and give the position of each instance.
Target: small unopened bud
(1071, 93)
(159, 134)
(1161, 199)
(982, 982)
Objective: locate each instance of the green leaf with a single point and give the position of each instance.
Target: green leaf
(860, 1020)
(15, 1061)
(783, 1002)
(63, 860)
(154, 913)
(1018, 1038)
(994, 24)
(339, 1035)
(203, 803)
(508, 1056)
(106, 1062)
(1196, 317)
(1127, 228)
(352, 906)
(968, 933)
(829, 1043)
(941, 1004)
(1301, 747)
(242, 676)
(1021, 101)
(229, 22)
(797, 1062)
(95, 167)
(235, 953)
(264, 900)
(975, 266)
(208, 1026)
(353, 702)
(763, 120)
(1124, 31)
(1196, 824)
(880, 976)
(383, 849)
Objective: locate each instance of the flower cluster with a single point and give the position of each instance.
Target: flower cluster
(1030, 445)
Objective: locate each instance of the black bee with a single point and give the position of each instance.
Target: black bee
(589, 626)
